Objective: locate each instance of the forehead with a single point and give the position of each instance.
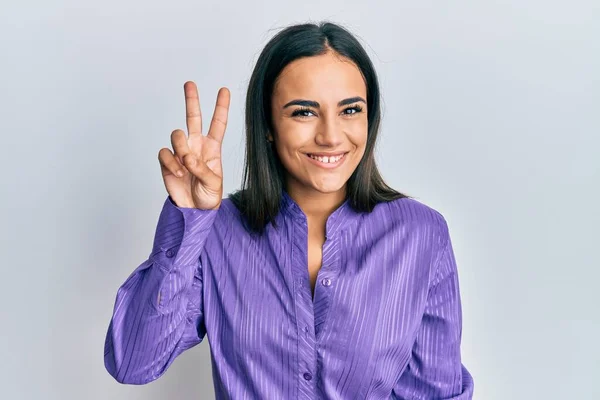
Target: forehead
(326, 76)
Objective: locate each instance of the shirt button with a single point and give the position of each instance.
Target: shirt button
(170, 253)
(307, 376)
(326, 282)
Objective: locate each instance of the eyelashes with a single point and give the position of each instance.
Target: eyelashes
(299, 111)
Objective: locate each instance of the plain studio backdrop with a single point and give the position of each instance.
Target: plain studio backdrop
(490, 115)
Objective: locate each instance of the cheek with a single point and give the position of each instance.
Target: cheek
(291, 138)
(296, 134)
(358, 136)
(287, 152)
(357, 126)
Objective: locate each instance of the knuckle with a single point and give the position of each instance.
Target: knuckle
(221, 121)
(224, 109)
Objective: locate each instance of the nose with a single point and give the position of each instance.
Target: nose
(329, 133)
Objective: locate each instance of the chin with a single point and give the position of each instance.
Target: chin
(329, 188)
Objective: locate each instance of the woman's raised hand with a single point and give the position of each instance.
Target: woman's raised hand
(196, 156)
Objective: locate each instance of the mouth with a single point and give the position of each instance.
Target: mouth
(327, 162)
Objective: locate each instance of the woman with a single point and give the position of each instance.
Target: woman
(314, 281)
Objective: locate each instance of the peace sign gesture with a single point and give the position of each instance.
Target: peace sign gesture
(196, 156)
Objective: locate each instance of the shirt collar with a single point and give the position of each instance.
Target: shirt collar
(338, 220)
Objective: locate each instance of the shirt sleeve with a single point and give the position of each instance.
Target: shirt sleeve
(158, 311)
(435, 370)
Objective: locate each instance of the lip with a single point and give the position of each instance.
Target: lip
(338, 153)
(327, 165)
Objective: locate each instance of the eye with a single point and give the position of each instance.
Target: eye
(356, 109)
(300, 112)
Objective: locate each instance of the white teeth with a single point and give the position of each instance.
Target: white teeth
(327, 160)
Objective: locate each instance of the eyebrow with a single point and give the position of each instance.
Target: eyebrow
(315, 104)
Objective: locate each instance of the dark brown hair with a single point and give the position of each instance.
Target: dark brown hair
(264, 174)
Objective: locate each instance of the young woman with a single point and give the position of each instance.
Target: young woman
(315, 280)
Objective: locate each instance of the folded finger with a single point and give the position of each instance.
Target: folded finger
(180, 144)
(169, 163)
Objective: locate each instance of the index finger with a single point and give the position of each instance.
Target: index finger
(193, 114)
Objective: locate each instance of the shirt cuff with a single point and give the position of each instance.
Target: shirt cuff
(180, 234)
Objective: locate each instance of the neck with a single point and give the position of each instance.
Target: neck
(316, 205)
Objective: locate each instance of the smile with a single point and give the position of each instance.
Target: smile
(327, 162)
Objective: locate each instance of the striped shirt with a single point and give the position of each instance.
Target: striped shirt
(385, 320)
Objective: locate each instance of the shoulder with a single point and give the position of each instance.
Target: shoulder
(230, 211)
(410, 214)
(230, 217)
(228, 206)
(226, 213)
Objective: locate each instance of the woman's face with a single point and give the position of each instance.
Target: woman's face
(319, 106)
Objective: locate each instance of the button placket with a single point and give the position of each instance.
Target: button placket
(325, 290)
(307, 357)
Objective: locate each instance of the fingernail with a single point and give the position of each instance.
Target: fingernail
(179, 173)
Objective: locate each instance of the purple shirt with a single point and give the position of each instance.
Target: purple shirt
(385, 320)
